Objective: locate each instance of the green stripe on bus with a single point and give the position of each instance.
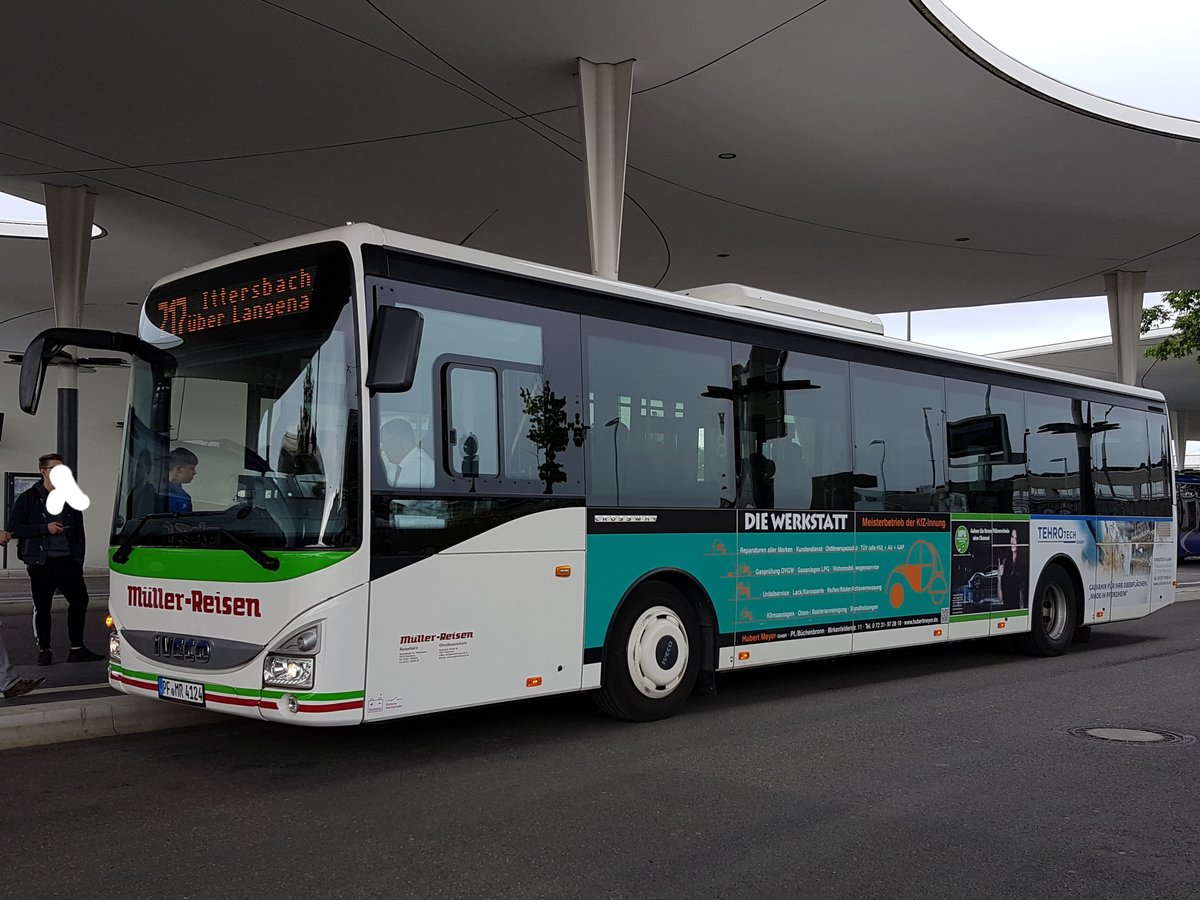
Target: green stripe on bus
(1003, 614)
(230, 689)
(341, 695)
(989, 517)
(276, 695)
(232, 565)
(145, 676)
(344, 695)
(245, 692)
(218, 688)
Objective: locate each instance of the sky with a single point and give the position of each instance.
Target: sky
(1007, 326)
(18, 210)
(1137, 52)
(23, 218)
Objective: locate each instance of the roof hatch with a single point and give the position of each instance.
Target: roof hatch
(781, 304)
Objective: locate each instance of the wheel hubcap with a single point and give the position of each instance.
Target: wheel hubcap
(657, 652)
(1054, 611)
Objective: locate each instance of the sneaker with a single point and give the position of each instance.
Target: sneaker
(45, 657)
(81, 654)
(23, 686)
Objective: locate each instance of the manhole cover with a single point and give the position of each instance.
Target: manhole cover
(1125, 735)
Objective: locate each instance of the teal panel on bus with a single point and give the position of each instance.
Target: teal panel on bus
(778, 576)
(817, 574)
(617, 561)
(795, 580)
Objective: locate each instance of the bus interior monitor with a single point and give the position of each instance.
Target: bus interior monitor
(979, 439)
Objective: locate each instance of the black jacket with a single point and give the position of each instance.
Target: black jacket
(29, 523)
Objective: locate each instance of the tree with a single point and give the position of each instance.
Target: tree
(548, 430)
(1179, 310)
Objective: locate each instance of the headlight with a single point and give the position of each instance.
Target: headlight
(289, 671)
(114, 646)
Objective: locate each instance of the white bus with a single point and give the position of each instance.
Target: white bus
(428, 478)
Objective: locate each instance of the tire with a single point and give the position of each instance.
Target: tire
(1053, 616)
(652, 656)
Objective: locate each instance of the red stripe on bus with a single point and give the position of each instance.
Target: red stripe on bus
(231, 701)
(330, 707)
(133, 682)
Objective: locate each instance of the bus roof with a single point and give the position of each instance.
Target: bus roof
(358, 234)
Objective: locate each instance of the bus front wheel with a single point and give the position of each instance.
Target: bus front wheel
(651, 659)
(1053, 616)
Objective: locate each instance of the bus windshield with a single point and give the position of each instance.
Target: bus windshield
(250, 438)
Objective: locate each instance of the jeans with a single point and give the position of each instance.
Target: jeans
(8, 675)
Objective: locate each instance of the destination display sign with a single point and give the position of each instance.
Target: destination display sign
(226, 306)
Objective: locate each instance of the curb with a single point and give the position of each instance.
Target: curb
(76, 720)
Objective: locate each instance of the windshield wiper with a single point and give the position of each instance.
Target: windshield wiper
(270, 563)
(126, 548)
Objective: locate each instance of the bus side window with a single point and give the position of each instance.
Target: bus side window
(526, 411)
(794, 437)
(985, 448)
(660, 416)
(1057, 449)
(473, 436)
(899, 439)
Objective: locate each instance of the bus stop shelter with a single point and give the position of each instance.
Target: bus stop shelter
(874, 154)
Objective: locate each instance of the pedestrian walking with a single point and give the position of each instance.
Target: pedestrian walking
(11, 684)
(52, 548)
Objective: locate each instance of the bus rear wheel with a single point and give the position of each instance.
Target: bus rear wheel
(1053, 616)
(651, 660)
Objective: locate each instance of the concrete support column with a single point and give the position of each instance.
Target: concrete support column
(1177, 445)
(1125, 292)
(69, 215)
(1183, 429)
(605, 93)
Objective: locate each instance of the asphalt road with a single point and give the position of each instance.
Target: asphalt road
(944, 772)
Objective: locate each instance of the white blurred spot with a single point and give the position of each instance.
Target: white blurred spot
(65, 491)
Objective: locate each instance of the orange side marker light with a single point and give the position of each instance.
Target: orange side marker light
(108, 621)
(562, 572)
(535, 681)
(1099, 614)
(745, 654)
(937, 632)
(1000, 625)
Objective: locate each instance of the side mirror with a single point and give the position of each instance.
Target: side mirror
(470, 460)
(392, 350)
(50, 342)
(33, 374)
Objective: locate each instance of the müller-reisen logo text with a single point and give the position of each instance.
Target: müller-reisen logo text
(196, 601)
